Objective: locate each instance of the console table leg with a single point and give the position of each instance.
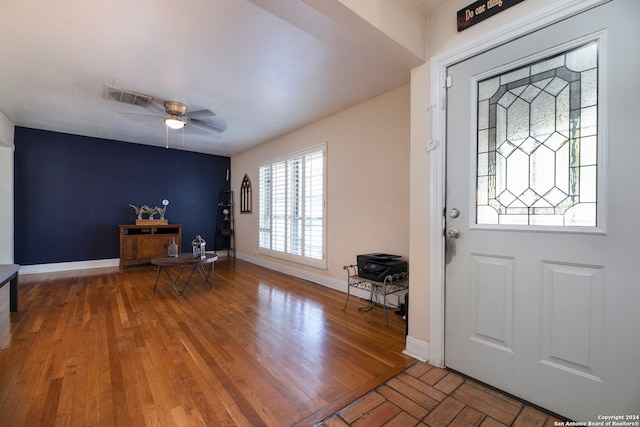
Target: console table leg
(13, 294)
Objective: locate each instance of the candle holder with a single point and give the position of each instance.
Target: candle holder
(198, 244)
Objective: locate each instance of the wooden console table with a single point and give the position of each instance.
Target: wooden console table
(183, 260)
(392, 284)
(140, 243)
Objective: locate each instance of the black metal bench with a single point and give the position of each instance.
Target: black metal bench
(9, 274)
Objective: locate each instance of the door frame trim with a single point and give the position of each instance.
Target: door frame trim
(437, 156)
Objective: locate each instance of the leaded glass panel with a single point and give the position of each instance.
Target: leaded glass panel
(537, 143)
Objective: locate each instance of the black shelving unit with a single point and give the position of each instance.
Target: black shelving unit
(225, 232)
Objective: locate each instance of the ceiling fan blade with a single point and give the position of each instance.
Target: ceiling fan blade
(213, 124)
(200, 114)
(193, 130)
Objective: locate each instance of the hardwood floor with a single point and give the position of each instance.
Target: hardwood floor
(260, 349)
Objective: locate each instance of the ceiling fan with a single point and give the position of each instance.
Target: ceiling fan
(175, 114)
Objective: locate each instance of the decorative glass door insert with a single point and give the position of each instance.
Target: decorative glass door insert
(537, 143)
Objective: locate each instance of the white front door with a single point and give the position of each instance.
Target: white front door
(542, 294)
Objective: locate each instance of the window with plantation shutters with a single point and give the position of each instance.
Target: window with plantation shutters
(291, 207)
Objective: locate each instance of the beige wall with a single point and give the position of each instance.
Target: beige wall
(6, 205)
(6, 190)
(419, 209)
(367, 184)
(401, 21)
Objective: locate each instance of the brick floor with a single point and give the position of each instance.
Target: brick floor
(424, 395)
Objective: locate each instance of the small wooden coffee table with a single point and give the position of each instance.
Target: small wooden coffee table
(183, 260)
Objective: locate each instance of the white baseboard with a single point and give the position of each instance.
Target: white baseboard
(417, 349)
(329, 282)
(67, 266)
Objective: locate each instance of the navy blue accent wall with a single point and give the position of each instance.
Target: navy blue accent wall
(72, 192)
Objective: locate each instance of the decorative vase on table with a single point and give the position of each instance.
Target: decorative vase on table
(172, 249)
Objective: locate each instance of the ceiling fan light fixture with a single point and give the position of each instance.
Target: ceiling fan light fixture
(174, 122)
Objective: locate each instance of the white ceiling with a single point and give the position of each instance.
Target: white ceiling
(266, 67)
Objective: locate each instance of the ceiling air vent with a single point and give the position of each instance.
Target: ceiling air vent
(126, 96)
